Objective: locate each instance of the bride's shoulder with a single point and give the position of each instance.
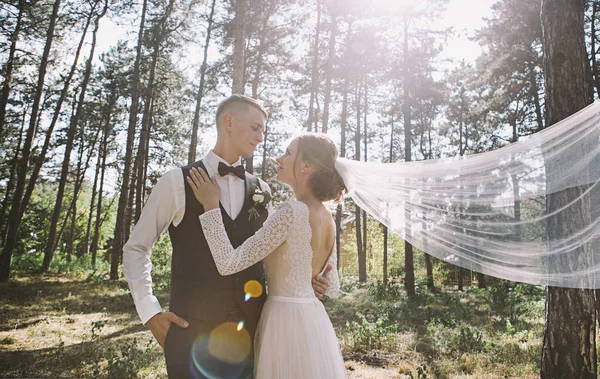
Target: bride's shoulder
(293, 206)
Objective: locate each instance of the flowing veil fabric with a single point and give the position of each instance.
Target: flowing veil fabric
(488, 212)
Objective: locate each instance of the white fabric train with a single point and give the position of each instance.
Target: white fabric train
(487, 212)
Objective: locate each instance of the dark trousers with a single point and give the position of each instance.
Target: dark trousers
(209, 349)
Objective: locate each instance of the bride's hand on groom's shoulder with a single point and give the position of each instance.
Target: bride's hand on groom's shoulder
(160, 323)
(206, 189)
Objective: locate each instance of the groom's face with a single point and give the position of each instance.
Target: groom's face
(246, 130)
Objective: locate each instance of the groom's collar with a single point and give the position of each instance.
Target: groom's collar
(213, 160)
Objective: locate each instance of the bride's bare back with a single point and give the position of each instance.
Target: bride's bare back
(323, 236)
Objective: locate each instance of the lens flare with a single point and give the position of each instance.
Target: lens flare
(224, 353)
(247, 297)
(228, 343)
(253, 288)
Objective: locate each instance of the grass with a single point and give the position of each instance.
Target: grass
(73, 325)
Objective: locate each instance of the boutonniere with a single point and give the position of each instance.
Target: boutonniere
(261, 199)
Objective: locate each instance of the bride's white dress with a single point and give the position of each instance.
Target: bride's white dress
(295, 338)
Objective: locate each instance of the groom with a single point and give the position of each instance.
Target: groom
(209, 331)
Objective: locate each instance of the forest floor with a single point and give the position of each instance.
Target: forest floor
(86, 326)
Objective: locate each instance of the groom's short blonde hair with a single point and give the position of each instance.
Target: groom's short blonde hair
(238, 103)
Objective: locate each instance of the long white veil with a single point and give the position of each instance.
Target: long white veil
(487, 212)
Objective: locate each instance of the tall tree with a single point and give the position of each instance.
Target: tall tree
(200, 93)
(159, 35)
(360, 248)
(569, 346)
(9, 65)
(13, 220)
(409, 270)
(314, 73)
(329, 66)
(239, 47)
(11, 181)
(120, 224)
(56, 116)
(51, 242)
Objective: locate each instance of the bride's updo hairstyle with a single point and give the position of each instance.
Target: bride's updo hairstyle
(321, 152)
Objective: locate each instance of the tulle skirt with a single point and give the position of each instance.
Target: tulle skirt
(295, 339)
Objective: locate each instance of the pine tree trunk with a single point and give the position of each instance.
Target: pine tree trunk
(200, 94)
(53, 240)
(595, 72)
(129, 213)
(362, 258)
(366, 158)
(409, 276)
(142, 151)
(536, 99)
(120, 224)
(79, 178)
(11, 182)
(329, 72)
(71, 240)
(104, 152)
(263, 173)
(49, 251)
(385, 229)
(360, 238)
(8, 67)
(100, 163)
(238, 47)
(55, 117)
(429, 270)
(385, 255)
(315, 73)
(569, 345)
(257, 77)
(15, 210)
(343, 125)
(88, 228)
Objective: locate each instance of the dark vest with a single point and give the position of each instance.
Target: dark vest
(198, 291)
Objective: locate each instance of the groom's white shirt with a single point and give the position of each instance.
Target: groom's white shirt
(166, 206)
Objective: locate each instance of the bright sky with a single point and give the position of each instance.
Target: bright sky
(464, 16)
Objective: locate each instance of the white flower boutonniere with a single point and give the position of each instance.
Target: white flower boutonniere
(261, 199)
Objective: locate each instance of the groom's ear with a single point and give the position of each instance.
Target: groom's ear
(227, 121)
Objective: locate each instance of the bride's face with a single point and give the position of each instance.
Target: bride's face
(287, 171)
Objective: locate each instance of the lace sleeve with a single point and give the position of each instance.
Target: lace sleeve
(229, 260)
(332, 276)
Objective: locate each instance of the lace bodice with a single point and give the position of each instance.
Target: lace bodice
(283, 243)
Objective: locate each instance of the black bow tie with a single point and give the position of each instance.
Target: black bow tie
(237, 170)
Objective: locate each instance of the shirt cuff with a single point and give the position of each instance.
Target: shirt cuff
(147, 307)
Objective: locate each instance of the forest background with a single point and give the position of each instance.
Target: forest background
(100, 98)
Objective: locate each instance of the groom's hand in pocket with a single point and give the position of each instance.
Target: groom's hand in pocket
(320, 284)
(160, 323)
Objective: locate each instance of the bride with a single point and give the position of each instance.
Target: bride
(295, 338)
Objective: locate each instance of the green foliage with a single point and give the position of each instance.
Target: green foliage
(161, 264)
(365, 336)
(513, 301)
(421, 373)
(379, 291)
(127, 358)
(7, 341)
(448, 337)
(124, 359)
